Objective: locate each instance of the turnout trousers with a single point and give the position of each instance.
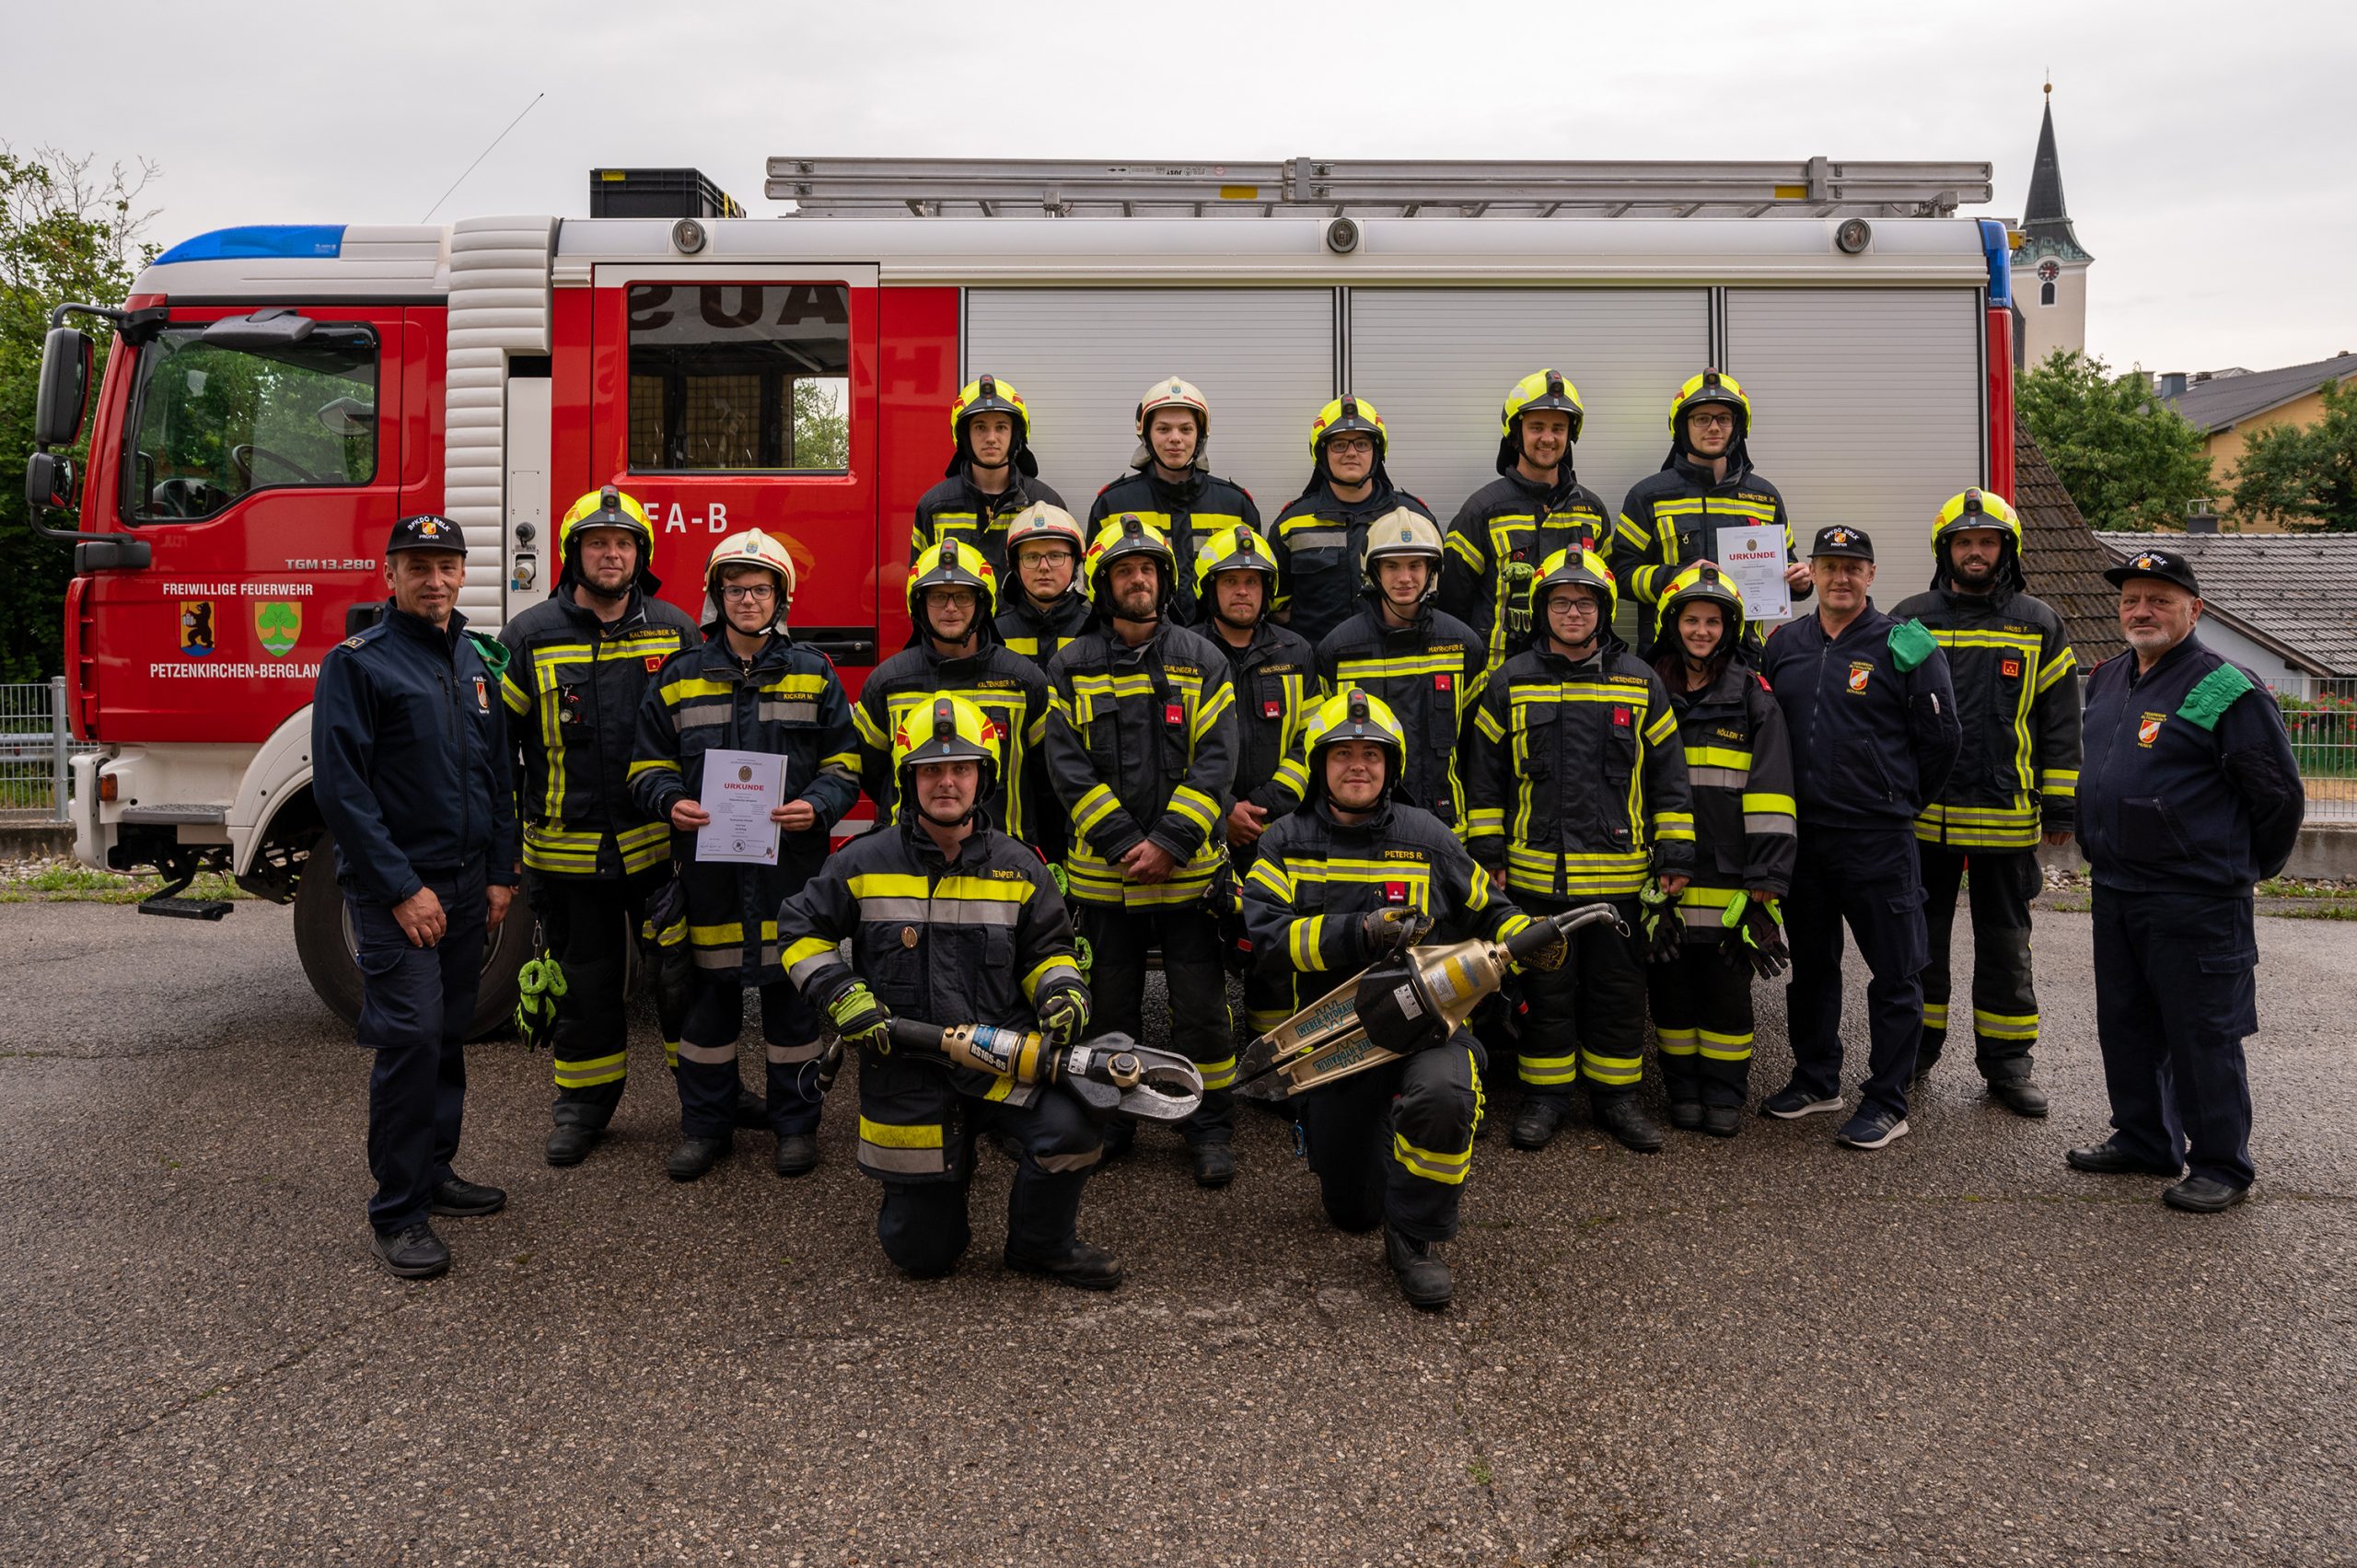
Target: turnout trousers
(1196, 979)
(1702, 1023)
(586, 927)
(1586, 1020)
(2004, 1002)
(2176, 993)
(922, 1221)
(708, 1078)
(1869, 879)
(416, 1006)
(1393, 1145)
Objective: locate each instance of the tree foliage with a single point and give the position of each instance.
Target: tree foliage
(2304, 475)
(68, 231)
(2128, 459)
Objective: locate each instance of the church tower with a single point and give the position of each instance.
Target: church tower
(2050, 266)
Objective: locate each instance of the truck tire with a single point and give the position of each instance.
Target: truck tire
(323, 942)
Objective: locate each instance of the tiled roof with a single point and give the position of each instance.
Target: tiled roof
(2298, 591)
(2211, 406)
(2060, 558)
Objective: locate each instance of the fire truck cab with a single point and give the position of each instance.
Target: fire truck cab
(276, 397)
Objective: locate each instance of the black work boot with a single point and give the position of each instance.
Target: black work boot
(1686, 1115)
(1423, 1278)
(696, 1156)
(467, 1200)
(1633, 1129)
(2019, 1095)
(1721, 1120)
(1079, 1265)
(1215, 1163)
(414, 1252)
(797, 1154)
(1536, 1124)
(571, 1141)
(751, 1111)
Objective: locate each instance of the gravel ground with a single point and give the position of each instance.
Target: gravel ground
(1769, 1351)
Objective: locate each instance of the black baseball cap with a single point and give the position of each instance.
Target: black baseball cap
(2165, 564)
(426, 532)
(1841, 539)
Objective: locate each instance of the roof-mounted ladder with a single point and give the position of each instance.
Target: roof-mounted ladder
(1332, 187)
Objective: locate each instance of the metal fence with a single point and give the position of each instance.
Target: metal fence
(2321, 715)
(35, 744)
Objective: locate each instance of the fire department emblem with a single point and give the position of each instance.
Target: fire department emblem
(1859, 675)
(2148, 729)
(196, 628)
(278, 622)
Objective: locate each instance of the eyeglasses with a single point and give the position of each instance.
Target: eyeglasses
(1351, 444)
(741, 593)
(1578, 606)
(1711, 420)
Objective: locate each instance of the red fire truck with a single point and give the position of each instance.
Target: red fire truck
(278, 396)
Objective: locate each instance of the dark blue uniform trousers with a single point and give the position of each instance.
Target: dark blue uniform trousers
(2175, 993)
(922, 1225)
(1870, 879)
(708, 1078)
(1394, 1144)
(415, 1004)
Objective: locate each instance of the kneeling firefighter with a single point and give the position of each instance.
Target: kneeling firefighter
(951, 922)
(1707, 943)
(1354, 877)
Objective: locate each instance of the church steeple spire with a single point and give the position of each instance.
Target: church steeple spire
(2044, 216)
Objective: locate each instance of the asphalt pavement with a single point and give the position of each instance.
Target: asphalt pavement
(1767, 1350)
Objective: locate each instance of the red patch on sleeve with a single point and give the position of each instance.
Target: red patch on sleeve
(1273, 708)
(1395, 892)
(1619, 719)
(654, 661)
(1440, 682)
(1174, 714)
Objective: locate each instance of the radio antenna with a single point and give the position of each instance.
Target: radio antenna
(482, 155)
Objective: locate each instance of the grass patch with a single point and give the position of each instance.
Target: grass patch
(1479, 1474)
(72, 884)
(2316, 912)
(2293, 888)
(2073, 906)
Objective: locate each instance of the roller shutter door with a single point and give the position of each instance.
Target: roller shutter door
(1264, 357)
(1437, 364)
(1868, 410)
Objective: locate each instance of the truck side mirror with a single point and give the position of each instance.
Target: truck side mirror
(66, 358)
(49, 482)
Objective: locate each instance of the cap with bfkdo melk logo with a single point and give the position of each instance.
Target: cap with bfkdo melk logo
(2165, 564)
(426, 532)
(1839, 539)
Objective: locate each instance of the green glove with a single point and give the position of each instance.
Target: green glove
(538, 985)
(860, 1019)
(1661, 922)
(1063, 1016)
(1056, 875)
(1910, 646)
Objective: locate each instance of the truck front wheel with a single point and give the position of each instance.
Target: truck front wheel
(323, 941)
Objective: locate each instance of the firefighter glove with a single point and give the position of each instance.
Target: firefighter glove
(1387, 931)
(1063, 1016)
(860, 1019)
(1660, 924)
(1910, 646)
(1756, 937)
(1550, 957)
(538, 985)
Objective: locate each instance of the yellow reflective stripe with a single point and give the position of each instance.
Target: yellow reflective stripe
(1486, 820)
(590, 1073)
(2005, 1025)
(1675, 1042)
(1301, 939)
(2058, 781)
(1662, 728)
(1719, 1047)
(1546, 1070)
(679, 690)
(1628, 530)
(1460, 546)
(1613, 1070)
(889, 884)
(1780, 804)
(1193, 804)
(1718, 757)
(1490, 727)
(1673, 824)
(1935, 1015)
(2056, 667)
(1278, 883)
(885, 1135)
(869, 730)
(985, 890)
(1220, 1074)
(515, 696)
(1043, 970)
(654, 765)
(1432, 1166)
(1094, 807)
(1222, 698)
(816, 952)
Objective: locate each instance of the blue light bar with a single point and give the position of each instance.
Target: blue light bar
(1999, 249)
(291, 241)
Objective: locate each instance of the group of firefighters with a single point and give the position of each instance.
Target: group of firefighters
(1292, 751)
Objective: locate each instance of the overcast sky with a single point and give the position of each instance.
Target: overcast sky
(2205, 149)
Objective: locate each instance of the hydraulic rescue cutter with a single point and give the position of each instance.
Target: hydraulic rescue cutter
(1110, 1075)
(1396, 1006)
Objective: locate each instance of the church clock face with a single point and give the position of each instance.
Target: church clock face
(2048, 269)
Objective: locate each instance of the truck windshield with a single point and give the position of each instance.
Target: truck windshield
(213, 424)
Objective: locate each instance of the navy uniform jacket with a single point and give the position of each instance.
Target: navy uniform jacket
(409, 758)
(1871, 743)
(1189, 513)
(2189, 784)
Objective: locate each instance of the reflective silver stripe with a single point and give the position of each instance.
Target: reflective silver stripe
(695, 715)
(800, 973)
(940, 911)
(1318, 539)
(710, 1055)
(1724, 778)
(789, 713)
(1703, 917)
(901, 1162)
(1054, 1163)
(808, 1053)
(732, 956)
(906, 910)
(1769, 823)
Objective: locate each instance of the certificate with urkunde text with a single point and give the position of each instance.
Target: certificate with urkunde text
(739, 787)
